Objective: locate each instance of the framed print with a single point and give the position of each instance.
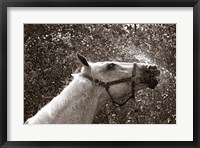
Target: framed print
(103, 73)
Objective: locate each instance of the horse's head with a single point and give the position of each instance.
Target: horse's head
(117, 77)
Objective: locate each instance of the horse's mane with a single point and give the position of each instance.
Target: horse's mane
(79, 85)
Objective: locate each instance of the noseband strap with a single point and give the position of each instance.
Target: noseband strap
(107, 85)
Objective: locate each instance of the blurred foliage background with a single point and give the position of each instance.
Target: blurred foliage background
(50, 59)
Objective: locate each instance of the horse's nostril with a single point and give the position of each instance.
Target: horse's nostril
(152, 67)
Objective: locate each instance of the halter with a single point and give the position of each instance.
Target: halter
(107, 85)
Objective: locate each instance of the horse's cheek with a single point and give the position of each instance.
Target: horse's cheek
(120, 90)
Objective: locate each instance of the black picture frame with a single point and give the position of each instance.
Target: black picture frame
(99, 3)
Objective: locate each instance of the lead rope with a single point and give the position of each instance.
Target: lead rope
(117, 103)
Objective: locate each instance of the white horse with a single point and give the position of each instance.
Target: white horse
(92, 87)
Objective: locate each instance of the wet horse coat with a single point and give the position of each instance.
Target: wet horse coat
(82, 98)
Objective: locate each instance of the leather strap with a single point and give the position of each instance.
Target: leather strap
(107, 85)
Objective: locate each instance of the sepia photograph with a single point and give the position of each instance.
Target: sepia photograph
(99, 74)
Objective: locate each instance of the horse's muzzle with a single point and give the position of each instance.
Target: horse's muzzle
(152, 81)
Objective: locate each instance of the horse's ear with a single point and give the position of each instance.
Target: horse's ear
(82, 59)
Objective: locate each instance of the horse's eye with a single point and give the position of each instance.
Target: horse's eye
(111, 66)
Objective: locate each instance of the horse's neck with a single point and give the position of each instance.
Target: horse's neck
(77, 103)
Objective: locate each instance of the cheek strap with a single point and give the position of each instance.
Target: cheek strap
(133, 80)
(133, 89)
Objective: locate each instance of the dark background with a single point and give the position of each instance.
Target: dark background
(50, 59)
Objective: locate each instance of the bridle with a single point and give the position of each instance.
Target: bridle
(107, 85)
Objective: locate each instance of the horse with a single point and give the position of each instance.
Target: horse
(90, 89)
